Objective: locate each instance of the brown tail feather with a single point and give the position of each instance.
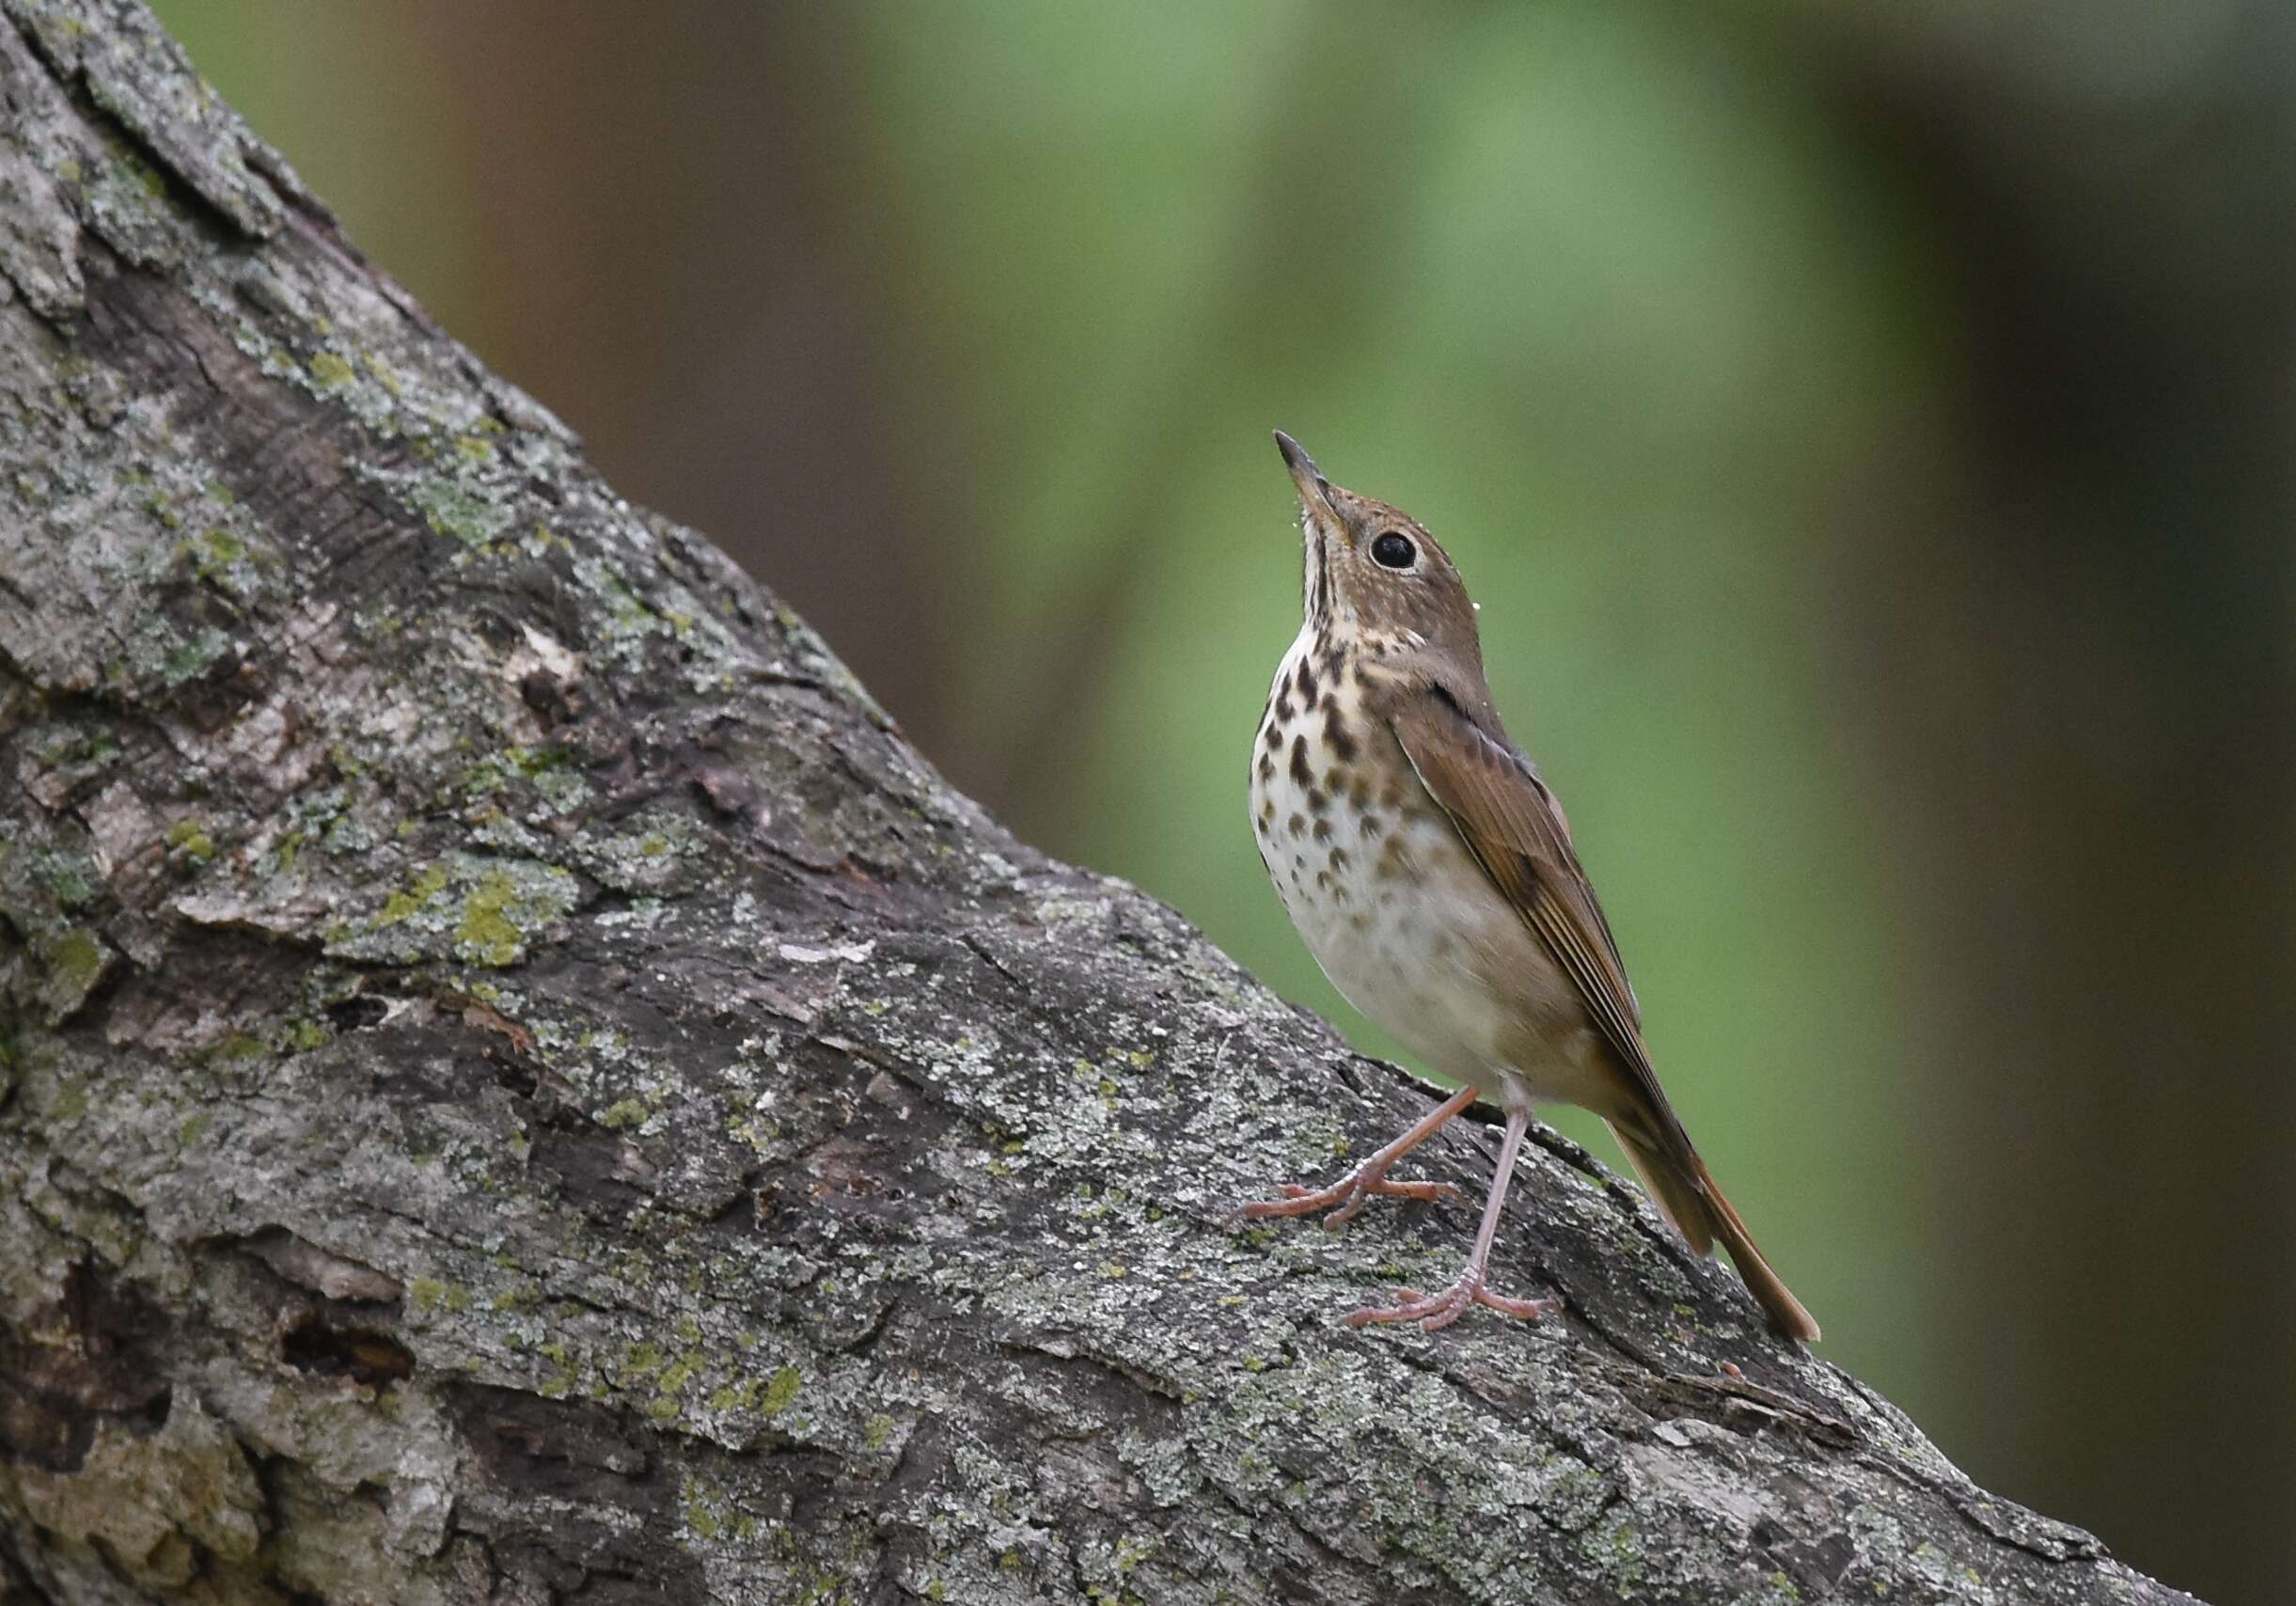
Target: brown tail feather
(1698, 1210)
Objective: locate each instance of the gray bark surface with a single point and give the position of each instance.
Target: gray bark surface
(517, 1084)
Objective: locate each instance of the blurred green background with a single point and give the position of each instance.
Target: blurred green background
(1868, 431)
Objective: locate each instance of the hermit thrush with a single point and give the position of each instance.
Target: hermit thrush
(1431, 873)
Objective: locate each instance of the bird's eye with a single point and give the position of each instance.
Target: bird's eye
(1393, 550)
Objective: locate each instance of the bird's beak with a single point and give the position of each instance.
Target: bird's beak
(1315, 490)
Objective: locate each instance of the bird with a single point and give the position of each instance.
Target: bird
(1431, 873)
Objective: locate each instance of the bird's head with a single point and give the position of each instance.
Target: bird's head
(1372, 574)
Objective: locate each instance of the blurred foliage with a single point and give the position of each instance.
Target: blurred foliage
(965, 327)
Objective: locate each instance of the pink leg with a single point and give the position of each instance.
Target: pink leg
(1442, 1310)
(1370, 1177)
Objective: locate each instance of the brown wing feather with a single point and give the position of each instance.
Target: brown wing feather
(1512, 825)
(1515, 830)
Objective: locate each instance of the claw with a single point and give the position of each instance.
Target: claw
(1348, 1193)
(1437, 1311)
(1419, 1190)
(1434, 1311)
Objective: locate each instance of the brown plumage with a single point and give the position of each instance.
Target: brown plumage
(1449, 906)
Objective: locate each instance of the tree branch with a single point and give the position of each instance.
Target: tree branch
(519, 1084)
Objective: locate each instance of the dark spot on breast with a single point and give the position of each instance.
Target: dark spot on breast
(1362, 678)
(1284, 708)
(1267, 767)
(1370, 825)
(1267, 813)
(1330, 657)
(1322, 880)
(1340, 858)
(1323, 831)
(1318, 800)
(1307, 683)
(1358, 796)
(1273, 737)
(1300, 762)
(1336, 779)
(1297, 824)
(1338, 735)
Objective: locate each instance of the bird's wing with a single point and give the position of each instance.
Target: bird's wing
(1515, 830)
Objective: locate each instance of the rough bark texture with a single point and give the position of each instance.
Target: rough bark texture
(518, 1084)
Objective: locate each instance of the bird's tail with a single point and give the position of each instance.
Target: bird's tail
(1688, 1199)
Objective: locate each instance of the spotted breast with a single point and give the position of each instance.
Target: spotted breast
(1382, 889)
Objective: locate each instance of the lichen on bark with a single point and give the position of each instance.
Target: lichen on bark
(519, 1083)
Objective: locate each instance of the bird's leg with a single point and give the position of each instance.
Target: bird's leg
(1440, 1310)
(1370, 1177)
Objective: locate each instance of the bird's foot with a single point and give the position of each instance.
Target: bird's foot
(1348, 1193)
(1434, 1311)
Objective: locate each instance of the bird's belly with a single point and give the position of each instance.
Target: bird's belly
(1414, 935)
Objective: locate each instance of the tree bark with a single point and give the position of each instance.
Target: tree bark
(518, 1084)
